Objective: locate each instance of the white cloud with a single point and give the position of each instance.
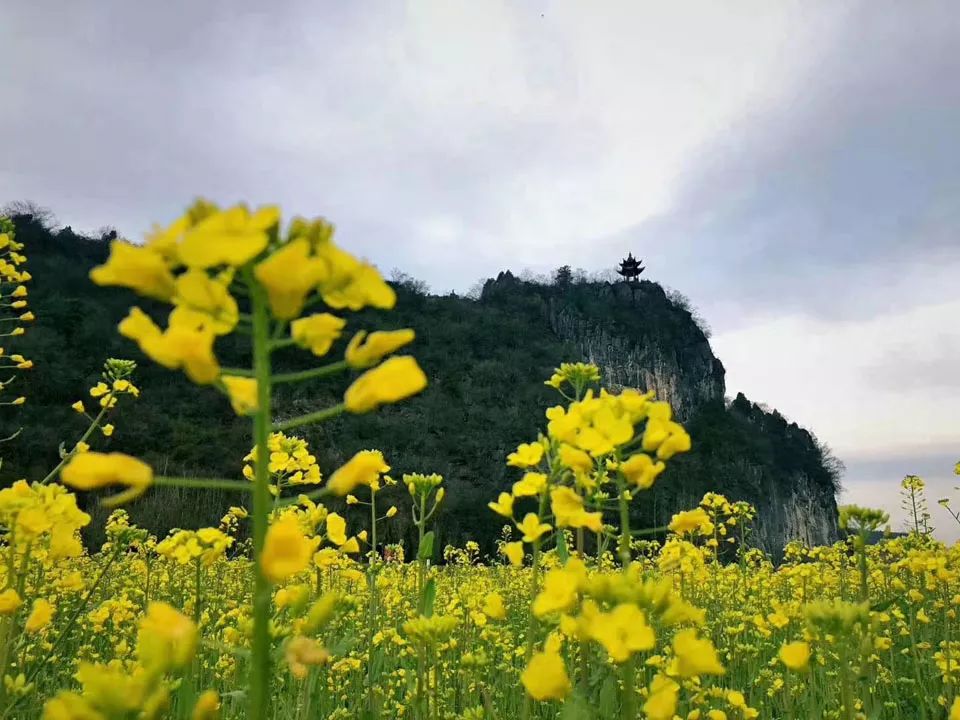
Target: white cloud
(823, 375)
(532, 125)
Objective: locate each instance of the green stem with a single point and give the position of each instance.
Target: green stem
(260, 657)
(309, 418)
(204, 483)
(312, 373)
(862, 558)
(624, 549)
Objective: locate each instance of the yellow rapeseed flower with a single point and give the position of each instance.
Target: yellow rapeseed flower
(795, 655)
(94, 470)
(545, 677)
(363, 468)
(185, 344)
(695, 656)
(391, 381)
(514, 553)
(531, 484)
(9, 602)
(622, 632)
(289, 275)
(503, 505)
(317, 332)
(167, 638)
(567, 508)
(242, 392)
(336, 529)
(365, 350)
(641, 470)
(532, 528)
(955, 708)
(286, 550)
(689, 521)
(526, 455)
(207, 706)
(40, 616)
(230, 237)
(139, 268)
(661, 703)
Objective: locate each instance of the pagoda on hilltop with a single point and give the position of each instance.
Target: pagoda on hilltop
(630, 268)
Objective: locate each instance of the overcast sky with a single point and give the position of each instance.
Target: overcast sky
(794, 168)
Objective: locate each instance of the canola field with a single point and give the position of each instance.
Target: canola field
(286, 611)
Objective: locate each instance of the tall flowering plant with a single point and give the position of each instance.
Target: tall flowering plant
(239, 271)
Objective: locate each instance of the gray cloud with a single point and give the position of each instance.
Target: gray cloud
(908, 369)
(843, 185)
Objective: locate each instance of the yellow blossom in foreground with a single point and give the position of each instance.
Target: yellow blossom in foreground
(526, 455)
(690, 521)
(94, 470)
(135, 267)
(567, 508)
(641, 470)
(203, 300)
(532, 528)
(289, 275)
(391, 381)
(661, 703)
(622, 632)
(575, 459)
(558, 594)
(795, 655)
(503, 505)
(40, 616)
(302, 652)
(186, 343)
(336, 529)
(695, 656)
(230, 237)
(545, 677)
(493, 606)
(364, 468)
(286, 550)
(167, 638)
(242, 392)
(365, 350)
(9, 601)
(531, 484)
(514, 553)
(317, 332)
(207, 706)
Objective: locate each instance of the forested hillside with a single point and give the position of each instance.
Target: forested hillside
(486, 360)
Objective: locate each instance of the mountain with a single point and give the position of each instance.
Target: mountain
(486, 359)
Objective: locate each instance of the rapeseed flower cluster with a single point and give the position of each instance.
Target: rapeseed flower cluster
(292, 608)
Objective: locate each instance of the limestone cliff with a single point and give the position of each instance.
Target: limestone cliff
(640, 337)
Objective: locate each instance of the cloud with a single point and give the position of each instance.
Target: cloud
(864, 386)
(822, 201)
(528, 127)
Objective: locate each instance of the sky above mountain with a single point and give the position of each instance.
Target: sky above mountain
(791, 167)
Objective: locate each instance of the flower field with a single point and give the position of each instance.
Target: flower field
(287, 610)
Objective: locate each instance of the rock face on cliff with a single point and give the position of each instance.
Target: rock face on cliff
(640, 337)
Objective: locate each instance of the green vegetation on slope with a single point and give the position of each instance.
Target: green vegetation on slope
(486, 360)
